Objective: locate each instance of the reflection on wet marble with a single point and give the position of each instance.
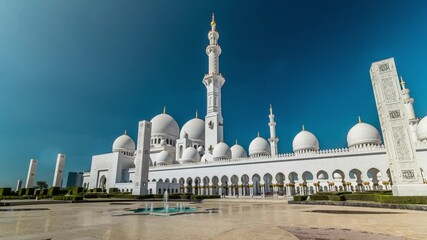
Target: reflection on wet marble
(234, 220)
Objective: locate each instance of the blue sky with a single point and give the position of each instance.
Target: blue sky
(75, 74)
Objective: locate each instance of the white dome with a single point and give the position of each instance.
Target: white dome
(200, 149)
(164, 124)
(164, 158)
(422, 129)
(190, 154)
(124, 142)
(221, 150)
(305, 140)
(195, 129)
(238, 151)
(259, 146)
(363, 133)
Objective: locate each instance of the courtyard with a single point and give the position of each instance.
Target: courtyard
(235, 219)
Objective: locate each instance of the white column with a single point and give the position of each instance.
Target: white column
(18, 185)
(31, 176)
(142, 159)
(394, 120)
(59, 170)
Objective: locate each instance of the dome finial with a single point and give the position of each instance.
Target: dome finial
(213, 23)
(258, 134)
(271, 109)
(125, 133)
(197, 113)
(360, 119)
(164, 109)
(402, 82)
(303, 128)
(236, 141)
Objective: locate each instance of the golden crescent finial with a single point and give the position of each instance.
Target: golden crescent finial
(125, 133)
(197, 113)
(303, 128)
(258, 134)
(360, 119)
(164, 109)
(213, 23)
(402, 82)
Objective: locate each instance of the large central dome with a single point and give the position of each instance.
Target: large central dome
(164, 124)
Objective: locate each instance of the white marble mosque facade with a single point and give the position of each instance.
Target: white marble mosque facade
(195, 159)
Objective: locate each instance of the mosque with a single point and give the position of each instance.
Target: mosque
(195, 158)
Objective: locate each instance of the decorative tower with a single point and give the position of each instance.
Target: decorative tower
(31, 174)
(213, 82)
(142, 159)
(273, 138)
(59, 170)
(408, 104)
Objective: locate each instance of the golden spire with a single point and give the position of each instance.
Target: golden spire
(125, 133)
(303, 128)
(213, 23)
(271, 109)
(258, 134)
(197, 114)
(360, 119)
(164, 109)
(402, 82)
(236, 142)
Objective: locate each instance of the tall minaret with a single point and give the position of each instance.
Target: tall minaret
(408, 103)
(273, 138)
(213, 82)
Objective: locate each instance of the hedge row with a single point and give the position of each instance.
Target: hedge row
(363, 197)
(300, 198)
(201, 197)
(68, 198)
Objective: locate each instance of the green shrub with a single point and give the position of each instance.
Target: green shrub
(403, 199)
(362, 197)
(113, 190)
(29, 192)
(43, 192)
(336, 197)
(186, 196)
(201, 197)
(321, 197)
(382, 192)
(96, 195)
(53, 191)
(5, 191)
(68, 198)
(22, 191)
(76, 190)
(300, 198)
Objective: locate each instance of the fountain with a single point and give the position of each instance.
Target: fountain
(164, 210)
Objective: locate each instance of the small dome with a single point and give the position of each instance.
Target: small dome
(164, 158)
(200, 149)
(123, 143)
(190, 154)
(259, 146)
(422, 129)
(164, 124)
(305, 140)
(195, 129)
(238, 151)
(221, 150)
(363, 133)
